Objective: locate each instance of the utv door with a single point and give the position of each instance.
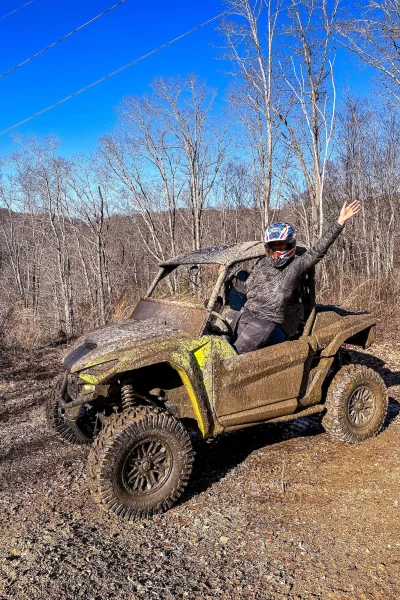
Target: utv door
(259, 385)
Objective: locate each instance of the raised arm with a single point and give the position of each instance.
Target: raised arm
(348, 211)
(319, 250)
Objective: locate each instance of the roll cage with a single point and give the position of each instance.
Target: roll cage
(229, 257)
(226, 256)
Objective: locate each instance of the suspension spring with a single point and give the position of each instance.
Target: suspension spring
(128, 396)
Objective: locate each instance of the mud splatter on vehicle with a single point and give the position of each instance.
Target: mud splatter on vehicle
(142, 389)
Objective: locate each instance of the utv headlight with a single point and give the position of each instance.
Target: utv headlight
(98, 369)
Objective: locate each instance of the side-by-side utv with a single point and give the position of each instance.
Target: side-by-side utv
(141, 390)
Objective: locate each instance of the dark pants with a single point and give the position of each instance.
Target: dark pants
(254, 333)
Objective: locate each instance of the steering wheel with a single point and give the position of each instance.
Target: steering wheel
(228, 328)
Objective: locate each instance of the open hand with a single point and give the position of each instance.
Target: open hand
(348, 211)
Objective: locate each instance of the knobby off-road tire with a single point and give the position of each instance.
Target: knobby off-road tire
(140, 463)
(68, 431)
(92, 469)
(356, 404)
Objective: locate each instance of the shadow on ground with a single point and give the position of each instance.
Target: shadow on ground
(215, 459)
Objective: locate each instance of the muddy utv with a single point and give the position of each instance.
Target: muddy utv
(142, 390)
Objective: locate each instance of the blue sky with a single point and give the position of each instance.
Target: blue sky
(126, 33)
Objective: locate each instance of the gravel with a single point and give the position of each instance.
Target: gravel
(275, 511)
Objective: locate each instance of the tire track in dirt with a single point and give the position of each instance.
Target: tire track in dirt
(276, 511)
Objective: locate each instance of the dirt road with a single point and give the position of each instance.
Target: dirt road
(272, 512)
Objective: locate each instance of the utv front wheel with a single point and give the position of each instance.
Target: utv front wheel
(356, 404)
(81, 431)
(140, 463)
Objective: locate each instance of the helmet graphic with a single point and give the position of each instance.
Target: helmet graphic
(280, 232)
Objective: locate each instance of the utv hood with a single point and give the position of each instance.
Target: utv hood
(111, 341)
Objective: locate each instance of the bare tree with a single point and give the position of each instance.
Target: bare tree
(373, 35)
(256, 98)
(143, 165)
(309, 117)
(89, 203)
(363, 262)
(22, 236)
(166, 158)
(44, 173)
(304, 105)
(234, 198)
(187, 106)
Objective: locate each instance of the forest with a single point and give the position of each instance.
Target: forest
(81, 237)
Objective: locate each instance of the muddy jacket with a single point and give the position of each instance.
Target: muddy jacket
(269, 288)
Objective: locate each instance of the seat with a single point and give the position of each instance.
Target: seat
(300, 306)
(235, 298)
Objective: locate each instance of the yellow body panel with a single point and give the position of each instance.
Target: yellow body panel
(192, 396)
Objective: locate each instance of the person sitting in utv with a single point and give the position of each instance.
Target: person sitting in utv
(275, 278)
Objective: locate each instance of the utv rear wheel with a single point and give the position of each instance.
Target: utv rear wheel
(140, 463)
(356, 404)
(81, 431)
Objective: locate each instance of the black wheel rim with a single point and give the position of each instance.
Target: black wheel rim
(146, 467)
(361, 406)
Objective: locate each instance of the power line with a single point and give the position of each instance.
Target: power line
(61, 39)
(16, 10)
(134, 62)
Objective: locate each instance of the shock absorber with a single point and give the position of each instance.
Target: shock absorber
(128, 396)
